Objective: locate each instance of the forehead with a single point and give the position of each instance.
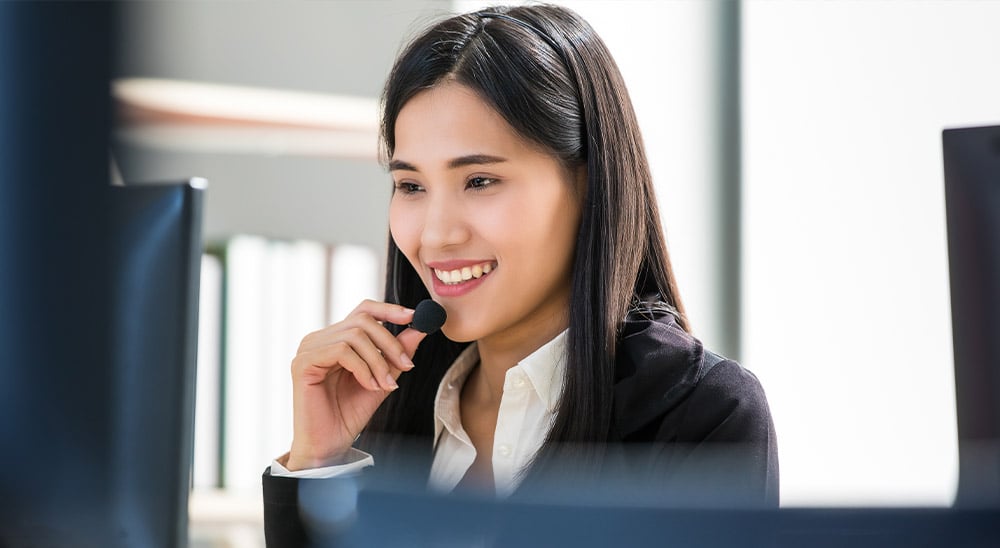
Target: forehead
(451, 120)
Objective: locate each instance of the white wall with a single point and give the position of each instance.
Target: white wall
(847, 317)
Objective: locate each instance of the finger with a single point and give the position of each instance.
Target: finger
(363, 373)
(390, 347)
(314, 366)
(409, 339)
(366, 349)
(384, 342)
(385, 312)
(368, 310)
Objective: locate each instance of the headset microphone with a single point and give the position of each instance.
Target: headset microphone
(428, 317)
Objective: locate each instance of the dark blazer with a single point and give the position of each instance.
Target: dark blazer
(689, 428)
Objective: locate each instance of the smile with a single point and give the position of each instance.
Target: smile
(464, 274)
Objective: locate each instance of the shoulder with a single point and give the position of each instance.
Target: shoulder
(670, 388)
(703, 419)
(727, 404)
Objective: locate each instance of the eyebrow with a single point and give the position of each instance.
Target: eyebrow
(461, 161)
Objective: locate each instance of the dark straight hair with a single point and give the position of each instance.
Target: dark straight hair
(545, 70)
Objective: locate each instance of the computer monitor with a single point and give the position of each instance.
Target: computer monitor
(97, 401)
(972, 194)
(156, 255)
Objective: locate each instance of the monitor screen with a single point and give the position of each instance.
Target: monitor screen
(156, 254)
(97, 412)
(972, 194)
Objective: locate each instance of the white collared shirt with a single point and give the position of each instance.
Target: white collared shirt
(531, 391)
(528, 405)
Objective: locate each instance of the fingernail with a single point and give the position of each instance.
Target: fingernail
(375, 384)
(407, 362)
(391, 382)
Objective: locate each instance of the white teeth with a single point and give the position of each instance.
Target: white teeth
(464, 274)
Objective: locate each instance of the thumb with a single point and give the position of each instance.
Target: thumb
(410, 338)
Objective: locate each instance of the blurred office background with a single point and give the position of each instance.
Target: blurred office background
(796, 152)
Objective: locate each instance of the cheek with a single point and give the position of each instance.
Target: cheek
(557, 247)
(404, 226)
(547, 224)
(539, 243)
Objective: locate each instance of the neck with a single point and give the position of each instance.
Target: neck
(500, 352)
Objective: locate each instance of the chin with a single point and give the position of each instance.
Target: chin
(463, 326)
(456, 334)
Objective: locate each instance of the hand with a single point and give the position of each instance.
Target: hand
(340, 375)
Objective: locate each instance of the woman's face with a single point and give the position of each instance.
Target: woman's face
(487, 220)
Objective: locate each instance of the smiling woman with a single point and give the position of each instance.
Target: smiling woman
(523, 204)
(452, 211)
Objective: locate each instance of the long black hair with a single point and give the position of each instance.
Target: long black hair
(545, 70)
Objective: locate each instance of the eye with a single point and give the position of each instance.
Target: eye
(408, 188)
(480, 183)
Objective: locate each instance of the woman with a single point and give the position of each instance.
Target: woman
(523, 204)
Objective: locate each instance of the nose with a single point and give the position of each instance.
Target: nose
(444, 223)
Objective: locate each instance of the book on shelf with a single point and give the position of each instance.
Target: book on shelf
(275, 293)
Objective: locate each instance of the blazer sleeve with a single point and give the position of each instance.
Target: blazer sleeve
(283, 526)
(727, 449)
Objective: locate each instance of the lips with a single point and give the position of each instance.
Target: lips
(459, 275)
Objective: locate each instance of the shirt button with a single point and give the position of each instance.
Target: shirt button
(504, 450)
(519, 382)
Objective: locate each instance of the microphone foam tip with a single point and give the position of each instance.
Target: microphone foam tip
(428, 317)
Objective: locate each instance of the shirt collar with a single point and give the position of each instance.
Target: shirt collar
(447, 413)
(545, 368)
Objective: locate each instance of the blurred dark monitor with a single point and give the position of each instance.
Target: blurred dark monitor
(392, 520)
(98, 445)
(98, 287)
(403, 515)
(156, 255)
(972, 193)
